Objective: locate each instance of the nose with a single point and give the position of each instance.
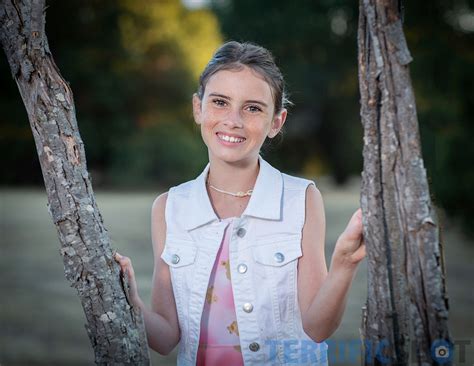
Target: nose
(234, 119)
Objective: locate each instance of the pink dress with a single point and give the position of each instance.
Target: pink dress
(219, 339)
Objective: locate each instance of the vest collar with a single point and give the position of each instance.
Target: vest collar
(264, 203)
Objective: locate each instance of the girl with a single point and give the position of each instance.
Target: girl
(240, 276)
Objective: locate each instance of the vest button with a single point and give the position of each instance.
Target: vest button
(241, 232)
(242, 268)
(254, 346)
(175, 259)
(279, 257)
(248, 307)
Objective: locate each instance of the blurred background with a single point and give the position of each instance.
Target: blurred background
(133, 66)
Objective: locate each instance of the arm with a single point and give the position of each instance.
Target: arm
(322, 296)
(161, 321)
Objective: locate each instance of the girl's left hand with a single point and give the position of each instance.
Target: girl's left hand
(350, 247)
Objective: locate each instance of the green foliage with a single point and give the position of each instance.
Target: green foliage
(161, 26)
(133, 67)
(167, 152)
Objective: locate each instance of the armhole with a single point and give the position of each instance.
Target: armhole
(165, 225)
(306, 184)
(168, 209)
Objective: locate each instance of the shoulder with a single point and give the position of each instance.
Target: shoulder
(301, 196)
(158, 212)
(314, 199)
(308, 192)
(183, 188)
(174, 197)
(159, 204)
(293, 182)
(315, 218)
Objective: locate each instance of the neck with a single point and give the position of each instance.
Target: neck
(233, 177)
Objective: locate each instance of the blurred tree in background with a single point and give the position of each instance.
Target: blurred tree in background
(133, 66)
(314, 45)
(441, 37)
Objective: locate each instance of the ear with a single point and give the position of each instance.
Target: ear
(277, 123)
(197, 109)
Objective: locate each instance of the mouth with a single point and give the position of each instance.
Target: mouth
(230, 139)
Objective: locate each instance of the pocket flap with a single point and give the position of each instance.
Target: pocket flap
(277, 254)
(179, 255)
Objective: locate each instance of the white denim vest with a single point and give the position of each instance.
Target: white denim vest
(264, 249)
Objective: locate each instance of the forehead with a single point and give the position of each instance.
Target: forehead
(240, 83)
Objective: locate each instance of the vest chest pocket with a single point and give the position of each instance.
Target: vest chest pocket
(178, 255)
(277, 255)
(277, 262)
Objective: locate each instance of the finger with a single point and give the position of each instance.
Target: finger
(121, 258)
(129, 274)
(358, 212)
(127, 268)
(360, 253)
(353, 231)
(132, 283)
(123, 261)
(130, 271)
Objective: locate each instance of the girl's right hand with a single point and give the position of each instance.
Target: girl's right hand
(127, 271)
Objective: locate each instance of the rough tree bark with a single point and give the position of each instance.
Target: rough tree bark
(116, 329)
(406, 285)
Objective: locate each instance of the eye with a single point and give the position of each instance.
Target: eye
(219, 102)
(254, 109)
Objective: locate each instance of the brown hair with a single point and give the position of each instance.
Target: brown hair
(234, 55)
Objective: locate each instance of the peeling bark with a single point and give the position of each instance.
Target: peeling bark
(406, 279)
(115, 328)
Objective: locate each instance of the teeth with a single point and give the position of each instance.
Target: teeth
(230, 138)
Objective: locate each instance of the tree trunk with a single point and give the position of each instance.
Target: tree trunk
(115, 328)
(406, 285)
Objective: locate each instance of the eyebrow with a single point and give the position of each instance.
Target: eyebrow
(229, 98)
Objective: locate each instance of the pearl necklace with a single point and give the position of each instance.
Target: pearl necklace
(237, 194)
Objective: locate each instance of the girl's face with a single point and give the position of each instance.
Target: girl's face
(236, 114)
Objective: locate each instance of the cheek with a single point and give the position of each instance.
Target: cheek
(210, 117)
(258, 130)
(205, 134)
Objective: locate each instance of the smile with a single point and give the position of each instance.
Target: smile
(230, 138)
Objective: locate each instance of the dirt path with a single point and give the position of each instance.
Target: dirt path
(41, 319)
